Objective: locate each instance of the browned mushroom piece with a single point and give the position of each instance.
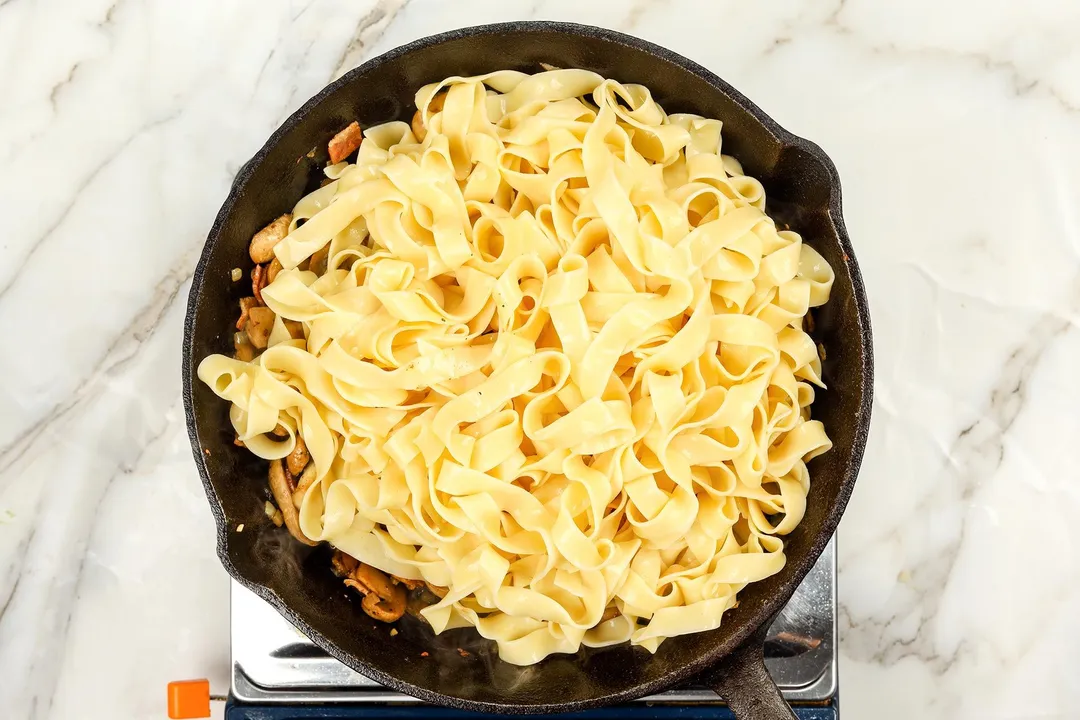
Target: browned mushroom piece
(259, 324)
(437, 590)
(262, 244)
(272, 270)
(385, 610)
(280, 430)
(407, 582)
(609, 614)
(246, 303)
(345, 143)
(417, 126)
(306, 479)
(295, 328)
(282, 492)
(299, 457)
(245, 352)
(383, 599)
(434, 105)
(354, 585)
(373, 580)
(343, 564)
(318, 261)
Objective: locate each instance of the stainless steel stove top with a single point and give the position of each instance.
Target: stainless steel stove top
(274, 663)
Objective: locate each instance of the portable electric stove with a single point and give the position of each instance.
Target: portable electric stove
(278, 674)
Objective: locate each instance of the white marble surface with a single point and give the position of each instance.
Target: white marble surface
(956, 129)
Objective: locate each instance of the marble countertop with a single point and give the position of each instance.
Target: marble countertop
(956, 129)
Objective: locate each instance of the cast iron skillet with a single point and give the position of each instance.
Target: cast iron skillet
(803, 190)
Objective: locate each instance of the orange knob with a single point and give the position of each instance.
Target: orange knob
(189, 699)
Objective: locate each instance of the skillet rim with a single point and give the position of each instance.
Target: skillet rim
(744, 631)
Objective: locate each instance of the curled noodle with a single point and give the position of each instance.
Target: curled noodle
(556, 364)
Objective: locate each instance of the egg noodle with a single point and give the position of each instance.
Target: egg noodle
(556, 364)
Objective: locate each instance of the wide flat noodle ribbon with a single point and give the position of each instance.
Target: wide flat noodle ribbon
(556, 363)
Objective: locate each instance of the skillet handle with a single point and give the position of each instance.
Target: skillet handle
(742, 680)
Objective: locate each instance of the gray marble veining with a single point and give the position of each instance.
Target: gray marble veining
(954, 126)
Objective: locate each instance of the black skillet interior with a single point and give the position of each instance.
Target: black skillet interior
(803, 190)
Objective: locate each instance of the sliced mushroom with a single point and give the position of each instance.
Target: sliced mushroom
(317, 263)
(343, 564)
(609, 614)
(373, 580)
(385, 610)
(407, 582)
(306, 479)
(260, 323)
(417, 124)
(272, 270)
(295, 328)
(345, 143)
(245, 352)
(299, 457)
(262, 245)
(383, 600)
(246, 304)
(279, 488)
(280, 430)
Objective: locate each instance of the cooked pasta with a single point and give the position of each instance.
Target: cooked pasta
(555, 363)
